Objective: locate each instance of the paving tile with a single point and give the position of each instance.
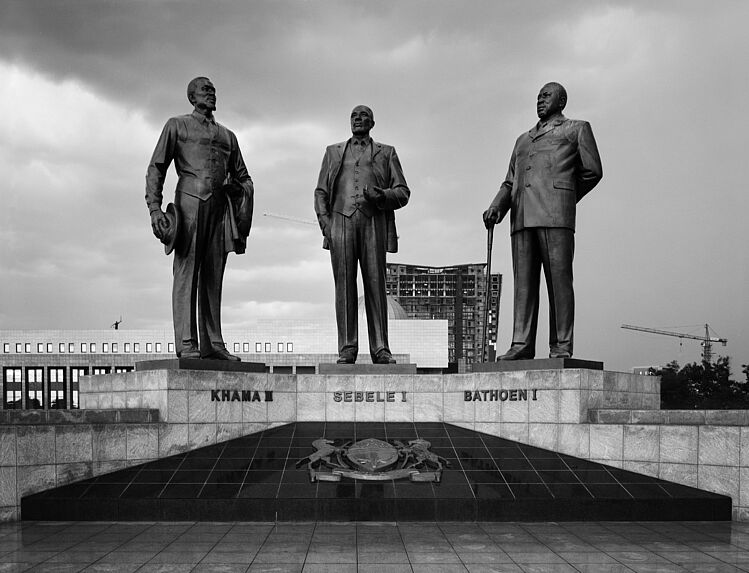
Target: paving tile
(220, 568)
(438, 568)
(112, 568)
(166, 568)
(601, 568)
(275, 568)
(494, 568)
(56, 568)
(329, 568)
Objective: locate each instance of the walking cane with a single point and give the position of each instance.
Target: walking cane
(489, 242)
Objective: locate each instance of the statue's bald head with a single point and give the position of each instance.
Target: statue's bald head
(551, 100)
(362, 120)
(193, 86)
(560, 90)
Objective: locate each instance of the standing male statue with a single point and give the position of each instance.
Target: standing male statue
(552, 167)
(361, 183)
(211, 216)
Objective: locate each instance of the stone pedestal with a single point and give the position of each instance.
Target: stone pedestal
(199, 364)
(354, 369)
(537, 364)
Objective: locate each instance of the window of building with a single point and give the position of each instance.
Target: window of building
(40, 347)
(280, 346)
(19, 348)
(84, 347)
(114, 348)
(246, 347)
(56, 377)
(237, 347)
(6, 348)
(267, 347)
(12, 388)
(34, 388)
(121, 369)
(127, 348)
(75, 374)
(258, 347)
(27, 348)
(170, 347)
(92, 348)
(57, 399)
(105, 347)
(61, 348)
(136, 347)
(149, 347)
(158, 348)
(289, 347)
(98, 370)
(50, 347)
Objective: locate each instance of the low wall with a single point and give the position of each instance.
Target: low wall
(707, 449)
(44, 449)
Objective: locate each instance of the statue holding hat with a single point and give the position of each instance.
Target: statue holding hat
(210, 217)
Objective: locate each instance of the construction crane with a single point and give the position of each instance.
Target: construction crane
(289, 218)
(707, 340)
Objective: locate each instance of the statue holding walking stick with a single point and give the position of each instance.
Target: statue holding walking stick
(552, 167)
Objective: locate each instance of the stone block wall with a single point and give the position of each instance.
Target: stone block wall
(699, 448)
(44, 449)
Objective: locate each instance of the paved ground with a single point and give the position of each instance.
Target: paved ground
(375, 547)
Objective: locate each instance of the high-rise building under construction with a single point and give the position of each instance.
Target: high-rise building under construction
(456, 293)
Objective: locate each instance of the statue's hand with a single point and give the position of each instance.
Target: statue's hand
(233, 189)
(491, 217)
(159, 223)
(325, 226)
(374, 194)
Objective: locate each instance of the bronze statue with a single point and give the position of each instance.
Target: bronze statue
(552, 167)
(211, 216)
(361, 183)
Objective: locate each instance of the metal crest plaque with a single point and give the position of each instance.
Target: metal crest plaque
(374, 460)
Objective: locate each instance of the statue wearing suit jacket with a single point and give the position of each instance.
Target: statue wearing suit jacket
(211, 217)
(552, 167)
(361, 184)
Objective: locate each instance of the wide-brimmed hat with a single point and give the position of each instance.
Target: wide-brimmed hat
(174, 217)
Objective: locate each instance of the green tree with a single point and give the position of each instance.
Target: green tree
(703, 385)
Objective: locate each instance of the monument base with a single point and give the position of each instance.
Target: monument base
(258, 477)
(537, 364)
(332, 368)
(199, 364)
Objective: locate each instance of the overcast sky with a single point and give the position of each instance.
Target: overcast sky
(661, 242)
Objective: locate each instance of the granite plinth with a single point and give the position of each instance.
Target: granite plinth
(331, 368)
(537, 364)
(199, 364)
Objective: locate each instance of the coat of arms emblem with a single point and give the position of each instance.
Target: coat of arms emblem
(373, 459)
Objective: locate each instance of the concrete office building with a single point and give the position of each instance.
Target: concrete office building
(457, 294)
(41, 369)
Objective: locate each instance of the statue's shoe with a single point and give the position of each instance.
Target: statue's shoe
(222, 354)
(384, 357)
(346, 358)
(519, 353)
(193, 354)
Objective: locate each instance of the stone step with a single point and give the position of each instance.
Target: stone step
(673, 417)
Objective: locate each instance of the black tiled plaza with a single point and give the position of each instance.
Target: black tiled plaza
(255, 478)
